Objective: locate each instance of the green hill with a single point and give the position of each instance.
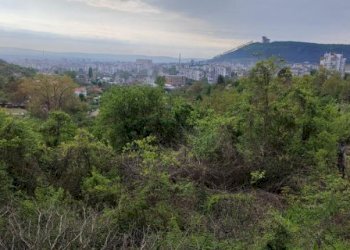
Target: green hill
(8, 70)
(9, 76)
(292, 52)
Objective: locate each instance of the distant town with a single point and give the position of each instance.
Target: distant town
(145, 71)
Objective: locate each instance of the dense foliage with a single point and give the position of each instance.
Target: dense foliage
(130, 113)
(46, 93)
(247, 164)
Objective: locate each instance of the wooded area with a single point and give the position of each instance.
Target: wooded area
(250, 163)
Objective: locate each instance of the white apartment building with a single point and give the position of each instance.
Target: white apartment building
(214, 72)
(334, 62)
(193, 74)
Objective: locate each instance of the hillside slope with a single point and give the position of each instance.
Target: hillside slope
(9, 78)
(8, 70)
(292, 52)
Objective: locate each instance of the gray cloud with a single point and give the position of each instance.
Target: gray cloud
(131, 6)
(282, 19)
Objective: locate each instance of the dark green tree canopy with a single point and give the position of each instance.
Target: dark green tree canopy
(130, 113)
(58, 128)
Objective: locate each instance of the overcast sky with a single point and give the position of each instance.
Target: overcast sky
(194, 28)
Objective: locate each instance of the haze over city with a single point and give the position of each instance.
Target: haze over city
(195, 28)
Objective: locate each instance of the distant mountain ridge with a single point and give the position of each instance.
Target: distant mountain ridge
(8, 54)
(292, 52)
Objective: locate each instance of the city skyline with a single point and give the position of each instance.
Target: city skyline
(199, 29)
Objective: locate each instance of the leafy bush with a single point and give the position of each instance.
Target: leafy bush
(131, 113)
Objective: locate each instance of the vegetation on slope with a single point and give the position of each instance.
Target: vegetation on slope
(248, 164)
(292, 52)
(10, 75)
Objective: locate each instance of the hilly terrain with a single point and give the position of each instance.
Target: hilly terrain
(13, 54)
(292, 52)
(10, 75)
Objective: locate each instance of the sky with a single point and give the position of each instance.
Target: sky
(194, 28)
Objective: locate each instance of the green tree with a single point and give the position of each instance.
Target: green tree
(220, 80)
(50, 93)
(5, 185)
(285, 75)
(160, 81)
(58, 128)
(19, 152)
(91, 73)
(75, 160)
(72, 74)
(286, 127)
(100, 190)
(135, 112)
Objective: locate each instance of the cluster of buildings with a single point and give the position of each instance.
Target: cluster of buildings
(141, 71)
(334, 62)
(175, 74)
(302, 69)
(330, 61)
(201, 72)
(145, 71)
